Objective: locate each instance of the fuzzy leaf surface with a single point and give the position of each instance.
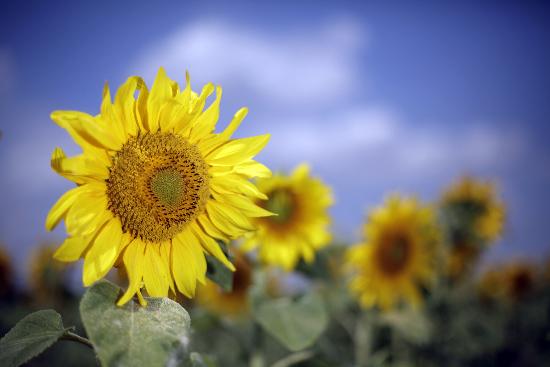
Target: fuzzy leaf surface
(132, 335)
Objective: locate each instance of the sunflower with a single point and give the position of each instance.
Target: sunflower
(235, 302)
(512, 281)
(299, 227)
(397, 255)
(156, 186)
(489, 285)
(6, 273)
(473, 212)
(47, 276)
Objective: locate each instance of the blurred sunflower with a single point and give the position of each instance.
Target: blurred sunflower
(397, 255)
(6, 273)
(156, 187)
(300, 226)
(546, 271)
(47, 276)
(473, 217)
(519, 280)
(235, 302)
(474, 210)
(512, 281)
(490, 284)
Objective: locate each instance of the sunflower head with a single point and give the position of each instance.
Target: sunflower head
(156, 186)
(520, 280)
(490, 284)
(47, 276)
(472, 212)
(235, 302)
(6, 273)
(299, 227)
(397, 256)
(512, 282)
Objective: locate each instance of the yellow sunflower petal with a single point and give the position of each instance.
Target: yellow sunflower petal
(60, 208)
(243, 204)
(155, 274)
(103, 252)
(237, 151)
(184, 269)
(231, 184)
(160, 93)
(211, 246)
(183, 126)
(133, 259)
(78, 169)
(72, 248)
(165, 251)
(86, 218)
(210, 229)
(252, 169)
(125, 102)
(234, 124)
(205, 123)
(235, 216)
(87, 128)
(109, 115)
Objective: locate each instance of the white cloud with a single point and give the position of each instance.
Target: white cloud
(376, 138)
(316, 70)
(328, 138)
(300, 67)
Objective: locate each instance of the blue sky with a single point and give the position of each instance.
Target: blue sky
(378, 97)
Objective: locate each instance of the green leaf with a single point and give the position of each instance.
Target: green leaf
(413, 325)
(156, 335)
(30, 337)
(198, 360)
(218, 272)
(296, 324)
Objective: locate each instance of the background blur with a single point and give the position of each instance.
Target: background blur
(377, 97)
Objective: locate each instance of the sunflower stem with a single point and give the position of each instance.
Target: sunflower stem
(293, 359)
(77, 338)
(256, 355)
(363, 340)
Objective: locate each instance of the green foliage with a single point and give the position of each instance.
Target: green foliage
(198, 360)
(30, 337)
(412, 325)
(156, 335)
(295, 323)
(218, 272)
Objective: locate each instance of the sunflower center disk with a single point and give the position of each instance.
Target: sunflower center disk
(168, 186)
(281, 203)
(394, 254)
(157, 184)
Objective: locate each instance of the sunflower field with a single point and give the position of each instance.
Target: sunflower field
(196, 254)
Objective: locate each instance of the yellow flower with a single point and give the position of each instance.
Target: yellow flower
(490, 284)
(299, 227)
(47, 276)
(6, 273)
(233, 303)
(474, 211)
(397, 255)
(156, 186)
(512, 281)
